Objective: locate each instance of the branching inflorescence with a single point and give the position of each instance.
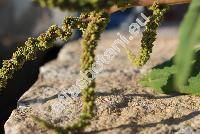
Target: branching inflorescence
(91, 34)
(29, 51)
(92, 23)
(149, 35)
(45, 41)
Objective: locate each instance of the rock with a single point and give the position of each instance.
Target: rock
(122, 105)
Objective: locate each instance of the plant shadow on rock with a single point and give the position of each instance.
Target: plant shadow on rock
(135, 127)
(161, 78)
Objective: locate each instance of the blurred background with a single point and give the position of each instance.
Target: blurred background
(20, 19)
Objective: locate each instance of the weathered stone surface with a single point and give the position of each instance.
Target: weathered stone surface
(122, 105)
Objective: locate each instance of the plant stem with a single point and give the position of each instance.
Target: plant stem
(148, 3)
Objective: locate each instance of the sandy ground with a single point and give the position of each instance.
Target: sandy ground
(123, 106)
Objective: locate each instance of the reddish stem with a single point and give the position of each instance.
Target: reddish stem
(148, 3)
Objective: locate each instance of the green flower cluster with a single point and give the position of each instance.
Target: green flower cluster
(91, 35)
(32, 46)
(149, 35)
(92, 30)
(83, 5)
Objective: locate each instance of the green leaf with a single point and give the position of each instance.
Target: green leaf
(189, 37)
(158, 79)
(161, 78)
(194, 86)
